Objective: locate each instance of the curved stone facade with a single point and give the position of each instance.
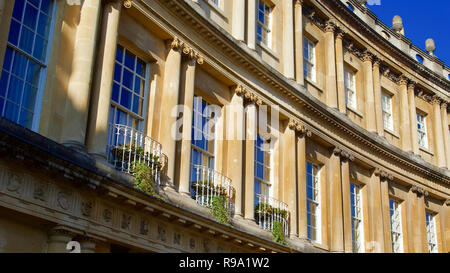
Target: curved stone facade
(321, 119)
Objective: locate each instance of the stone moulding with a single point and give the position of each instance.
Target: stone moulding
(189, 14)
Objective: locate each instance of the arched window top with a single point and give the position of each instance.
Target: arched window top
(419, 58)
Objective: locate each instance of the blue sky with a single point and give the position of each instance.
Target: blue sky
(421, 20)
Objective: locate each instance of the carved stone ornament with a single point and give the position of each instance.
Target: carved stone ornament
(40, 191)
(384, 176)
(162, 234)
(144, 227)
(126, 221)
(127, 3)
(86, 208)
(206, 247)
(247, 95)
(299, 128)
(186, 50)
(344, 155)
(63, 200)
(192, 243)
(14, 183)
(107, 215)
(419, 191)
(177, 238)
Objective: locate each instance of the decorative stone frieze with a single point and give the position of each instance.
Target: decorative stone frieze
(384, 176)
(299, 128)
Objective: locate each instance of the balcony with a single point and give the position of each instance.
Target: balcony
(128, 147)
(268, 210)
(207, 183)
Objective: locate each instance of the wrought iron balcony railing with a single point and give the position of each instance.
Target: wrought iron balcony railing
(268, 210)
(128, 147)
(207, 183)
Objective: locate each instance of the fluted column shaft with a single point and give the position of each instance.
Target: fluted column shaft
(405, 128)
(445, 133)
(78, 90)
(187, 93)
(250, 138)
(438, 135)
(238, 20)
(251, 24)
(288, 39)
(413, 118)
(377, 97)
(298, 21)
(101, 97)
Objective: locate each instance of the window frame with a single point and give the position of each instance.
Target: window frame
(316, 179)
(350, 87)
(310, 47)
(266, 28)
(395, 216)
(42, 78)
(387, 124)
(422, 134)
(431, 232)
(266, 181)
(357, 245)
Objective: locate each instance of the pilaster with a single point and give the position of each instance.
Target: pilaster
(251, 24)
(445, 132)
(413, 117)
(340, 71)
(330, 65)
(377, 96)
(238, 20)
(288, 39)
(298, 21)
(405, 124)
(370, 116)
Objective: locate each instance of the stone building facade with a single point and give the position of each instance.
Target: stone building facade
(356, 157)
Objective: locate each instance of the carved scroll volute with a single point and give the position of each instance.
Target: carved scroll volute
(299, 128)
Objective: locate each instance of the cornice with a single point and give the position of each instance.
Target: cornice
(190, 15)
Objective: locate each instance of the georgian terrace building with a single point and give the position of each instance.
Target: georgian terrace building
(360, 161)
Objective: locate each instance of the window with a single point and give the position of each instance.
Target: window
(262, 169)
(309, 59)
(396, 226)
(431, 233)
(216, 2)
(25, 64)
(350, 87)
(357, 221)
(386, 103)
(264, 23)
(202, 144)
(422, 130)
(313, 202)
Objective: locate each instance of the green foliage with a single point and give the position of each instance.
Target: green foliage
(219, 209)
(144, 181)
(125, 152)
(278, 233)
(266, 210)
(208, 188)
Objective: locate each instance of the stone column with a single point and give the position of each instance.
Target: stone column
(187, 93)
(438, 135)
(376, 210)
(238, 20)
(298, 20)
(290, 179)
(336, 196)
(249, 172)
(288, 39)
(235, 136)
(405, 128)
(416, 220)
(385, 211)
(6, 10)
(411, 220)
(171, 90)
(58, 238)
(346, 204)
(251, 24)
(445, 133)
(301, 180)
(369, 97)
(340, 72)
(377, 97)
(330, 66)
(78, 90)
(422, 245)
(413, 118)
(96, 140)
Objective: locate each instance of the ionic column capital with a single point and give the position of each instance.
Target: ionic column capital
(299, 2)
(403, 80)
(185, 49)
(299, 128)
(419, 191)
(127, 3)
(247, 95)
(447, 202)
(384, 176)
(436, 100)
(340, 33)
(367, 56)
(330, 26)
(411, 85)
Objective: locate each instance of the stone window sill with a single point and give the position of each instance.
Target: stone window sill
(425, 150)
(216, 9)
(268, 50)
(309, 81)
(355, 111)
(390, 132)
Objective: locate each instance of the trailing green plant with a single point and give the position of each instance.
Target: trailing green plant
(266, 210)
(123, 153)
(144, 180)
(278, 233)
(208, 188)
(220, 210)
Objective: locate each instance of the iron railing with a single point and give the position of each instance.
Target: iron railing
(268, 210)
